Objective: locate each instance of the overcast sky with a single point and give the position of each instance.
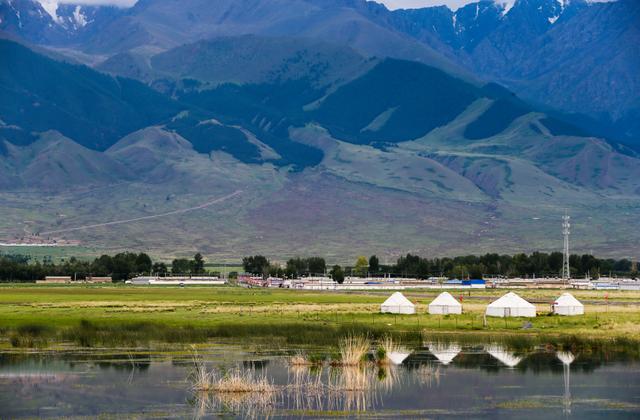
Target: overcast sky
(121, 3)
(391, 4)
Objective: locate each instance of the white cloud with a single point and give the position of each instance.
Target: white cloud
(51, 6)
(120, 3)
(452, 4)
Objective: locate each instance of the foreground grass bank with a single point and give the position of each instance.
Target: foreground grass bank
(40, 316)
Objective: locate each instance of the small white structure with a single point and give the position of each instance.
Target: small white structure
(511, 305)
(445, 304)
(398, 304)
(568, 305)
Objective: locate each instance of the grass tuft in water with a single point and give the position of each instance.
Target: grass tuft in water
(236, 380)
(353, 350)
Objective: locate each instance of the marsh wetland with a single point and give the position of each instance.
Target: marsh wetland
(435, 379)
(116, 352)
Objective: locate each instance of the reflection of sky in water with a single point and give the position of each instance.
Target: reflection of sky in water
(485, 381)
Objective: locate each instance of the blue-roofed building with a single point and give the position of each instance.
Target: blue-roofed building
(475, 283)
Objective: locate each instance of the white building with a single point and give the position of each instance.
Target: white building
(566, 304)
(398, 304)
(511, 305)
(445, 304)
(177, 281)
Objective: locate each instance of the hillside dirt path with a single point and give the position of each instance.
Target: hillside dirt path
(153, 216)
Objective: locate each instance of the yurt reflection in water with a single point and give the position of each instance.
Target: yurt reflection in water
(444, 352)
(566, 358)
(503, 355)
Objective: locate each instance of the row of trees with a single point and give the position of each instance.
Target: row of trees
(295, 267)
(120, 267)
(126, 265)
(538, 264)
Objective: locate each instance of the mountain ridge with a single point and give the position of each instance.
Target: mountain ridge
(335, 152)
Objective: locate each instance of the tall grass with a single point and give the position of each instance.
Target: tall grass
(236, 380)
(353, 349)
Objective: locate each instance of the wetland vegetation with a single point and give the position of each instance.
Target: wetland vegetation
(112, 316)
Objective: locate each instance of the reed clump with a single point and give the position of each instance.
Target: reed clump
(303, 359)
(353, 350)
(239, 381)
(234, 381)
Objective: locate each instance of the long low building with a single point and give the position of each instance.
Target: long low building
(55, 280)
(177, 281)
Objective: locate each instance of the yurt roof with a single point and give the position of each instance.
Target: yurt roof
(445, 299)
(511, 300)
(397, 299)
(567, 299)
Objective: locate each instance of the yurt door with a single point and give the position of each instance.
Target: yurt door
(507, 311)
(445, 310)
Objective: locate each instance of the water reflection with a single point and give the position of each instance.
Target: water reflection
(506, 357)
(566, 358)
(444, 352)
(432, 380)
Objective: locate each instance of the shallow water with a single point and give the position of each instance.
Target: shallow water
(435, 380)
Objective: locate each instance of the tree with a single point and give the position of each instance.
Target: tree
(316, 265)
(296, 267)
(374, 264)
(160, 269)
(476, 271)
(198, 264)
(180, 266)
(337, 274)
(361, 266)
(275, 270)
(128, 264)
(101, 266)
(143, 263)
(460, 271)
(256, 264)
(555, 263)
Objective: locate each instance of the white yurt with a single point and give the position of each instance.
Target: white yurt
(445, 304)
(511, 305)
(398, 304)
(566, 304)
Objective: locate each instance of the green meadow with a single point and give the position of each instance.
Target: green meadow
(115, 315)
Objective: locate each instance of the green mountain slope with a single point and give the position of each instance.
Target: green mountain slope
(402, 157)
(56, 163)
(38, 94)
(254, 59)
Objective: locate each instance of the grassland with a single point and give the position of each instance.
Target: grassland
(40, 316)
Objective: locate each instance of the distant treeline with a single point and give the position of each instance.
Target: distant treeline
(126, 265)
(537, 264)
(122, 266)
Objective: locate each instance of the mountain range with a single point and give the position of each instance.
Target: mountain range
(340, 127)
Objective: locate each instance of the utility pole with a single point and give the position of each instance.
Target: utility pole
(566, 231)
